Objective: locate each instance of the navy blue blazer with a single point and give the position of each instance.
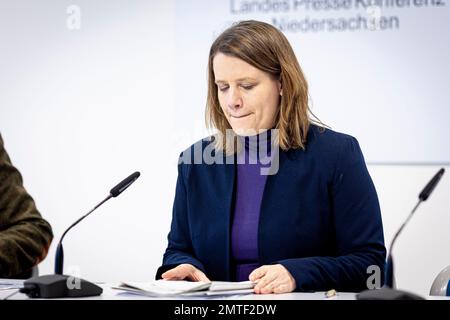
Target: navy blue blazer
(320, 217)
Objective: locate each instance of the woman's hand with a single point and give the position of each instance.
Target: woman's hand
(185, 271)
(272, 279)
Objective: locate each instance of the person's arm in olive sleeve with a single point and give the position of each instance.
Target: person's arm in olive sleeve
(25, 236)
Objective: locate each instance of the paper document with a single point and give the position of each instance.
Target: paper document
(186, 288)
(7, 284)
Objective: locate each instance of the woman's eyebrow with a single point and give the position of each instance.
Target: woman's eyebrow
(237, 80)
(246, 79)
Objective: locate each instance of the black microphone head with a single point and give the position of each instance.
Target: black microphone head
(124, 184)
(426, 192)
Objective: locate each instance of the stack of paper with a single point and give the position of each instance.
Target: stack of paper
(7, 284)
(187, 288)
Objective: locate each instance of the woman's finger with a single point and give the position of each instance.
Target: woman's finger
(178, 273)
(269, 287)
(268, 278)
(257, 273)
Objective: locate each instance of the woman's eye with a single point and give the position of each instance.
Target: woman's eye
(223, 88)
(248, 86)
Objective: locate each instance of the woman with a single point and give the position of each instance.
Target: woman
(311, 224)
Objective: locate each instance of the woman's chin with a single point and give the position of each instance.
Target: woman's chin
(245, 131)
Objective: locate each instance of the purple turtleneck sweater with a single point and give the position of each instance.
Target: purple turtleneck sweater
(250, 185)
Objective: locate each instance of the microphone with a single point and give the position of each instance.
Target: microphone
(125, 183)
(423, 196)
(52, 286)
(118, 189)
(389, 292)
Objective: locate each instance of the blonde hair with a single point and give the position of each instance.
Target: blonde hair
(267, 49)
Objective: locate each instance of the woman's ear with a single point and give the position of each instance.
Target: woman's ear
(280, 87)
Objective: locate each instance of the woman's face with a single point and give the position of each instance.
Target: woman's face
(248, 96)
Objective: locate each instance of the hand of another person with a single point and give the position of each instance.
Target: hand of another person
(185, 272)
(272, 279)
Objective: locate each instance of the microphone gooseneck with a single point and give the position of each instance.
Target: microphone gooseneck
(118, 189)
(59, 258)
(423, 196)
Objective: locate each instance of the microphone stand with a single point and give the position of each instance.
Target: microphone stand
(389, 291)
(58, 285)
(59, 257)
(389, 277)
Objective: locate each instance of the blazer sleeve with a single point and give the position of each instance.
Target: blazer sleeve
(358, 229)
(179, 249)
(24, 235)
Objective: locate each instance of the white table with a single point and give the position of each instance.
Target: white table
(112, 294)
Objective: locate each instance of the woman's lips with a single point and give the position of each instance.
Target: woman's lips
(240, 116)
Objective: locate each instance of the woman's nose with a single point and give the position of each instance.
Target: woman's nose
(234, 100)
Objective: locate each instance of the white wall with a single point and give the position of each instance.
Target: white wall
(82, 109)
